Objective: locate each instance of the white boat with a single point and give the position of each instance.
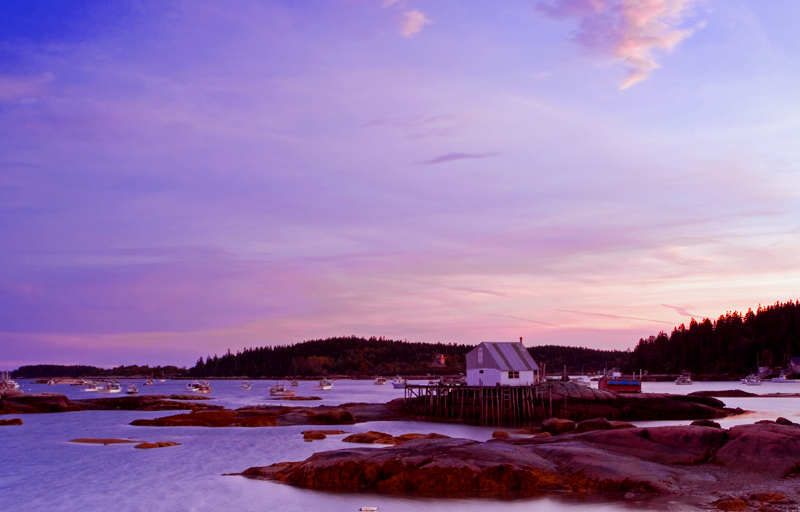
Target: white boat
(783, 379)
(435, 382)
(91, 387)
(51, 382)
(752, 380)
(148, 382)
(368, 509)
(132, 389)
(684, 380)
(380, 381)
(399, 382)
(324, 385)
(110, 387)
(7, 385)
(203, 387)
(246, 386)
(295, 383)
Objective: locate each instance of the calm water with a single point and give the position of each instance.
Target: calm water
(42, 471)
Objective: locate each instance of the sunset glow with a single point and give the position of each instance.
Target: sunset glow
(182, 178)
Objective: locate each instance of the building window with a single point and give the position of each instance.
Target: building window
(480, 371)
(513, 375)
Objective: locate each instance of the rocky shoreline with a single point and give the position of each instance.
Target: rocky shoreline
(747, 466)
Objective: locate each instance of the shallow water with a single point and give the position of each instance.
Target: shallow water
(43, 471)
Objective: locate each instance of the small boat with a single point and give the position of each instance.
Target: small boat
(132, 389)
(192, 386)
(295, 383)
(324, 385)
(684, 380)
(91, 387)
(51, 382)
(783, 379)
(399, 382)
(148, 382)
(8, 385)
(380, 381)
(752, 380)
(204, 388)
(368, 509)
(162, 380)
(246, 386)
(279, 389)
(618, 383)
(111, 387)
(435, 382)
(79, 382)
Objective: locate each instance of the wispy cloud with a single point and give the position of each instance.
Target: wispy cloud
(450, 157)
(628, 30)
(412, 22)
(605, 315)
(682, 311)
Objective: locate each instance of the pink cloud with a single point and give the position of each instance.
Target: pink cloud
(412, 22)
(628, 30)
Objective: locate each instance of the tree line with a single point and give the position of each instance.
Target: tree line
(732, 344)
(48, 371)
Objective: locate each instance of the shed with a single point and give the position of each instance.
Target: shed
(504, 364)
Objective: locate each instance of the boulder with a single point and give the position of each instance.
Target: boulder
(373, 437)
(706, 423)
(312, 435)
(766, 448)
(593, 424)
(12, 421)
(784, 421)
(36, 403)
(731, 504)
(558, 426)
(500, 434)
(616, 425)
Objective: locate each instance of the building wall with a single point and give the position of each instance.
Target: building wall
(493, 376)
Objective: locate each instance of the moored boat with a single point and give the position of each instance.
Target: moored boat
(399, 382)
(148, 382)
(295, 383)
(279, 389)
(132, 389)
(110, 387)
(324, 385)
(246, 386)
(784, 379)
(380, 381)
(752, 380)
(204, 388)
(7, 385)
(684, 380)
(618, 383)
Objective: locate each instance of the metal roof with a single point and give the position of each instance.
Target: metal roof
(510, 356)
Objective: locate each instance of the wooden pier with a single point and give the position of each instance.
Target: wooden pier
(483, 405)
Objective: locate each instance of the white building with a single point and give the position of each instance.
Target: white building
(506, 364)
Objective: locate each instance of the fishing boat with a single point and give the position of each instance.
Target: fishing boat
(784, 379)
(368, 509)
(91, 386)
(132, 389)
(324, 385)
(618, 383)
(380, 381)
(295, 383)
(51, 382)
(148, 382)
(7, 385)
(752, 380)
(246, 386)
(279, 389)
(192, 386)
(399, 382)
(110, 387)
(204, 387)
(684, 380)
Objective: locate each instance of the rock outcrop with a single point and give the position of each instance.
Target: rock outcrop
(36, 403)
(744, 465)
(12, 421)
(275, 415)
(373, 437)
(158, 444)
(314, 435)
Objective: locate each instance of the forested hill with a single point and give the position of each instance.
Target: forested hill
(731, 344)
(353, 356)
(46, 371)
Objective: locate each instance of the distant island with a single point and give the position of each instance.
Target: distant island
(724, 349)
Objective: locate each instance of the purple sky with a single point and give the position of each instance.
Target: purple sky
(182, 178)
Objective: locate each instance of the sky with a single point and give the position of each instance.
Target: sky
(181, 178)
